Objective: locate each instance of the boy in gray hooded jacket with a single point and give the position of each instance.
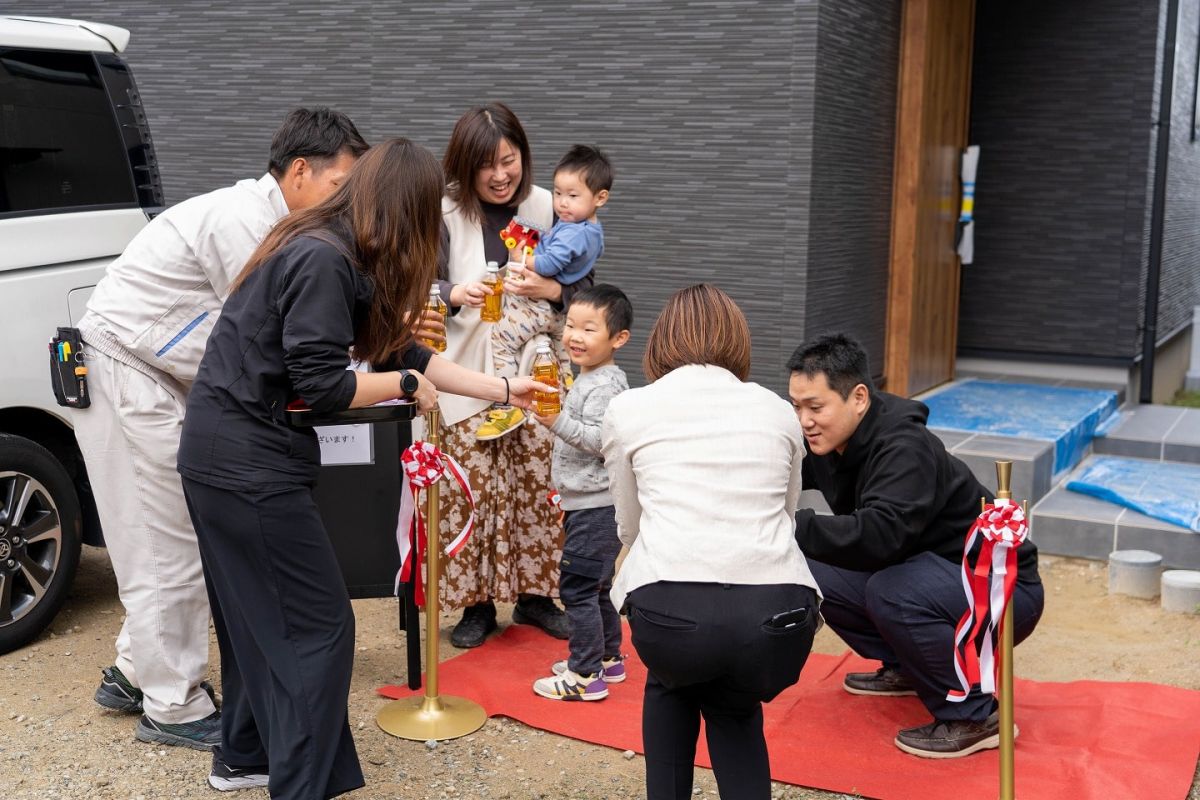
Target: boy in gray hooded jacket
(598, 322)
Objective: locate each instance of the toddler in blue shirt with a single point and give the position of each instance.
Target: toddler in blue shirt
(568, 253)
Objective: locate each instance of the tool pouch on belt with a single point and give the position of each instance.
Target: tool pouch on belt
(68, 375)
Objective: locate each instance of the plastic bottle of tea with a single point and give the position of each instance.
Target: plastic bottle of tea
(545, 370)
(493, 304)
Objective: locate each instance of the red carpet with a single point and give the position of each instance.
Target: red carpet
(1087, 740)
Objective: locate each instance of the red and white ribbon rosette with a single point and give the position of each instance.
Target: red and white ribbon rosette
(989, 584)
(423, 466)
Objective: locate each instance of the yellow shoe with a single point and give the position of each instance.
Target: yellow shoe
(500, 421)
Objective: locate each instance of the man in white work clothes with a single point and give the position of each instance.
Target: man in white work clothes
(144, 334)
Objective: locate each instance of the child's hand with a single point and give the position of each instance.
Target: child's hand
(469, 294)
(517, 254)
(548, 420)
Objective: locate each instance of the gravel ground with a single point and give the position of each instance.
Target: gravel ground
(55, 743)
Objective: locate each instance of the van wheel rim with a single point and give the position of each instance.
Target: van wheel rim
(31, 541)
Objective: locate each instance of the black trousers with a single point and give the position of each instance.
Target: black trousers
(905, 616)
(285, 629)
(713, 651)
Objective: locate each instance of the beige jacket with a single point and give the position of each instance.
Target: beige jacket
(704, 472)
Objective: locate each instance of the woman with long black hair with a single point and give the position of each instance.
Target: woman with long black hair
(352, 272)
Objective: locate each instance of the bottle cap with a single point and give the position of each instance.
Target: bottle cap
(492, 266)
(543, 347)
(434, 288)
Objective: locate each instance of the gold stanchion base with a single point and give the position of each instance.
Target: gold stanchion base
(424, 718)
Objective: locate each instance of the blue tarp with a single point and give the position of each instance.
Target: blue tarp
(1167, 491)
(1068, 417)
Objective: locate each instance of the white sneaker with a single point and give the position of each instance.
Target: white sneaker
(612, 670)
(571, 686)
(225, 778)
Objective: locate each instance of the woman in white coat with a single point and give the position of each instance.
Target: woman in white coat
(704, 471)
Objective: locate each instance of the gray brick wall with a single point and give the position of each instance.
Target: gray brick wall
(1180, 278)
(854, 139)
(706, 108)
(1061, 109)
(1064, 102)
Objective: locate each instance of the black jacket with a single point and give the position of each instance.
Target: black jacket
(285, 334)
(895, 492)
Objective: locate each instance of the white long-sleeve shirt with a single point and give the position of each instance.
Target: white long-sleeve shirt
(704, 472)
(158, 301)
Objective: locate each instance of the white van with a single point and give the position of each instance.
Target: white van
(78, 179)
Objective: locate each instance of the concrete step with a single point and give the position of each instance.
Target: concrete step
(1033, 460)
(1068, 416)
(1159, 433)
(1068, 523)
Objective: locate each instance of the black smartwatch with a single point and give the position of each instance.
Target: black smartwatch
(409, 382)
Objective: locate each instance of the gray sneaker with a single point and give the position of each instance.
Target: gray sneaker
(202, 734)
(116, 693)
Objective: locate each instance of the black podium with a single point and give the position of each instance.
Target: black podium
(358, 496)
(358, 491)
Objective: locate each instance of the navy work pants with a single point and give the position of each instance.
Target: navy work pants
(905, 616)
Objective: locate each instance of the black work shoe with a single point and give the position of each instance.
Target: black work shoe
(883, 682)
(952, 738)
(202, 734)
(115, 692)
(542, 612)
(225, 778)
(477, 622)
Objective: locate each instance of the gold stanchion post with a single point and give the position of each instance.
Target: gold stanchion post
(432, 716)
(1007, 739)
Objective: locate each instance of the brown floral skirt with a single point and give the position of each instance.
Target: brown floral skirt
(517, 542)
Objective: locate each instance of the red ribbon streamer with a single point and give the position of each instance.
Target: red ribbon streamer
(424, 465)
(989, 584)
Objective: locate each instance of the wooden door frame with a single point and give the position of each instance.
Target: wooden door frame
(919, 34)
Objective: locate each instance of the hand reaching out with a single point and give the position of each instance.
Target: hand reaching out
(521, 391)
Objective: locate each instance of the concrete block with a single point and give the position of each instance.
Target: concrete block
(1067, 523)
(1179, 546)
(1128, 448)
(1181, 591)
(1033, 463)
(1134, 573)
(1148, 422)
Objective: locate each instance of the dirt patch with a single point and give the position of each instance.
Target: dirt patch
(55, 743)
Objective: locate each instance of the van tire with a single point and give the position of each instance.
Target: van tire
(36, 576)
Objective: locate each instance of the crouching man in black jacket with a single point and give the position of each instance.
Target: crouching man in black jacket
(889, 560)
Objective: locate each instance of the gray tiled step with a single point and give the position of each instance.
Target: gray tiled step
(1069, 523)
(1161, 433)
(1033, 460)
